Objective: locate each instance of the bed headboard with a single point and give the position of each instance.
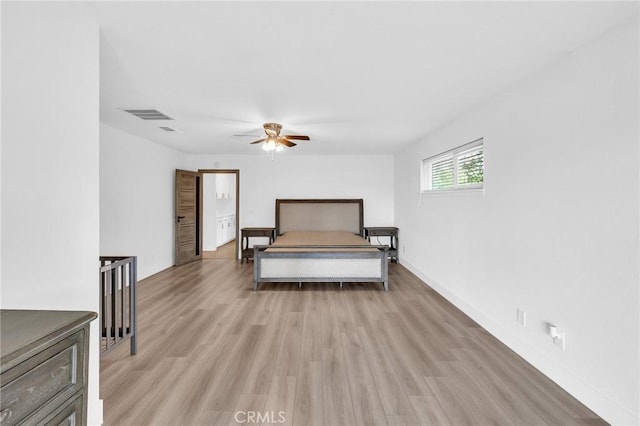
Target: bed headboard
(319, 215)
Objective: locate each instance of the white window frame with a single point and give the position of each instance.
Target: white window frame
(427, 163)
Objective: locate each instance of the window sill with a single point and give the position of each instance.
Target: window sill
(453, 191)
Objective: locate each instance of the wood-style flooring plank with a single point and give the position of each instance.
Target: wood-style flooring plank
(308, 408)
(210, 351)
(263, 367)
(196, 380)
(394, 401)
(288, 357)
(338, 407)
(281, 399)
(367, 405)
(228, 388)
(250, 409)
(429, 411)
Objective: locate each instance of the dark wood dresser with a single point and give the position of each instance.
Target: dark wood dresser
(44, 363)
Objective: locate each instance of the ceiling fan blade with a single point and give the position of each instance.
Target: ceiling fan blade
(286, 142)
(259, 140)
(297, 137)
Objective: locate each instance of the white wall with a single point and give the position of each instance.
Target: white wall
(137, 204)
(139, 221)
(50, 216)
(297, 176)
(1, 164)
(226, 205)
(555, 231)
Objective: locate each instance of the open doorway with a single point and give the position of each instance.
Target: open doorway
(221, 207)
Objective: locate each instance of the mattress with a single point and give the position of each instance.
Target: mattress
(300, 239)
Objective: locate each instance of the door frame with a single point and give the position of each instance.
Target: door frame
(237, 173)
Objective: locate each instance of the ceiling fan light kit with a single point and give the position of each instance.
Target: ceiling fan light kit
(275, 142)
(272, 144)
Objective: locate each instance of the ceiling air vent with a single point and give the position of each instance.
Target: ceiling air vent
(167, 129)
(148, 114)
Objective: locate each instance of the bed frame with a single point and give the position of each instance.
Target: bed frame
(332, 264)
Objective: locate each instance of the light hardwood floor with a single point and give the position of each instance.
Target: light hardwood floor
(227, 251)
(210, 351)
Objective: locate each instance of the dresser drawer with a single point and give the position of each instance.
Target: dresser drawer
(71, 414)
(45, 380)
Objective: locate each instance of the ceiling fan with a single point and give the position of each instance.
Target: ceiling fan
(274, 141)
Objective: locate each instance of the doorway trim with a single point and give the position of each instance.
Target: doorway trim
(237, 173)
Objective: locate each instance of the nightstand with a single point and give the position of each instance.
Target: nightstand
(246, 233)
(385, 231)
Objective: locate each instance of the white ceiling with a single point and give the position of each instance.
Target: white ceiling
(357, 77)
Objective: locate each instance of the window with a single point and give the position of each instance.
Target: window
(460, 168)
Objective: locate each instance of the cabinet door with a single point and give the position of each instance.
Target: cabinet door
(223, 186)
(227, 229)
(219, 232)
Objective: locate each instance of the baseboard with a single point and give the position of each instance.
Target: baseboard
(584, 392)
(155, 273)
(97, 414)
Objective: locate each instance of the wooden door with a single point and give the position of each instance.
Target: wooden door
(188, 232)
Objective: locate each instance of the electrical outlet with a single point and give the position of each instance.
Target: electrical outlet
(561, 340)
(521, 317)
(557, 335)
(404, 250)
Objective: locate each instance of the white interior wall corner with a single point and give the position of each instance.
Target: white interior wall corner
(556, 239)
(137, 205)
(50, 182)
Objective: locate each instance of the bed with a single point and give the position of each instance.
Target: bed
(320, 241)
